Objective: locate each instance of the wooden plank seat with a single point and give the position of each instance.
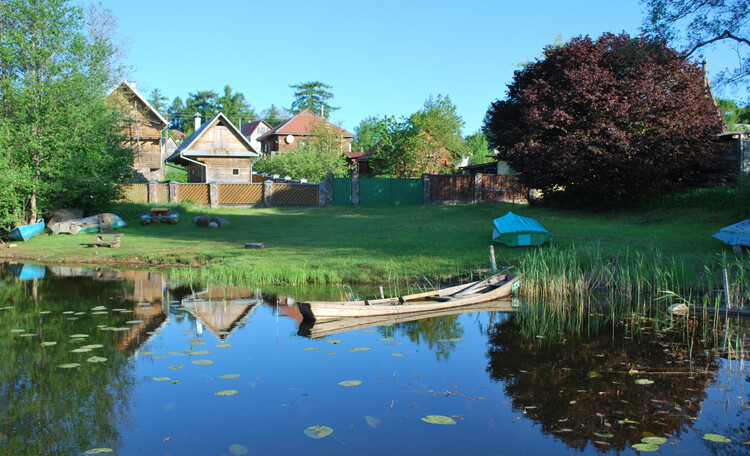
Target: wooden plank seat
(106, 240)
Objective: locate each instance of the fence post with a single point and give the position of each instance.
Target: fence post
(329, 190)
(267, 193)
(322, 186)
(425, 189)
(152, 192)
(478, 188)
(173, 192)
(355, 189)
(213, 194)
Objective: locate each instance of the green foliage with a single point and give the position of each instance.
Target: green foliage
(176, 173)
(733, 114)
(60, 138)
(478, 149)
(322, 154)
(208, 103)
(312, 95)
(368, 133)
(158, 101)
(274, 116)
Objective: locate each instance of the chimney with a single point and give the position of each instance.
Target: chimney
(197, 120)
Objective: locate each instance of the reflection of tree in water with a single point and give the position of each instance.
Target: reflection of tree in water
(558, 385)
(436, 332)
(46, 409)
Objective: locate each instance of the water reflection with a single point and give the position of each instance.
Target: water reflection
(584, 391)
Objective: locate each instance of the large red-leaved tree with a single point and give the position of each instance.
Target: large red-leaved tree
(605, 122)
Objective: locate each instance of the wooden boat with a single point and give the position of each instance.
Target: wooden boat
(26, 232)
(496, 287)
(87, 225)
(318, 329)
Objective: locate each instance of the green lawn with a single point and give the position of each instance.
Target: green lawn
(402, 244)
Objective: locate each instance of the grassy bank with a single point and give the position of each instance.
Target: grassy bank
(632, 252)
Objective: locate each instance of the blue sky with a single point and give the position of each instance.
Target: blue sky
(382, 58)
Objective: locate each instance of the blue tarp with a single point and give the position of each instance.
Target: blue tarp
(737, 234)
(514, 230)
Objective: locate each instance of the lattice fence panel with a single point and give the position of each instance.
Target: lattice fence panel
(135, 193)
(295, 195)
(197, 193)
(240, 193)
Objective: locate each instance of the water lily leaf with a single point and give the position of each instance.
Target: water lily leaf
(351, 383)
(99, 451)
(593, 374)
(161, 379)
(96, 359)
(175, 366)
(311, 348)
(153, 333)
(318, 432)
(98, 308)
(373, 422)
(457, 339)
(334, 341)
(654, 440)
(80, 350)
(196, 341)
(80, 313)
(92, 346)
(68, 312)
(100, 312)
(397, 354)
(159, 356)
(223, 345)
(79, 336)
(386, 339)
(17, 330)
(226, 393)
(171, 353)
(645, 447)
(643, 381)
(147, 353)
(43, 312)
(200, 352)
(716, 438)
(359, 349)
(48, 344)
(605, 435)
(68, 365)
(626, 421)
(134, 322)
(331, 353)
(203, 362)
(438, 419)
(237, 449)
(27, 335)
(229, 376)
(121, 328)
(174, 382)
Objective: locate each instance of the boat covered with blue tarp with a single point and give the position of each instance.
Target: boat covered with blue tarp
(514, 231)
(26, 232)
(737, 234)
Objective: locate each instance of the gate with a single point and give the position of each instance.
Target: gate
(342, 191)
(389, 191)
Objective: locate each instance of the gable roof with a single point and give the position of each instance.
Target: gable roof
(250, 127)
(184, 148)
(302, 124)
(140, 98)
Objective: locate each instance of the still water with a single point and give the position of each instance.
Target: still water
(121, 362)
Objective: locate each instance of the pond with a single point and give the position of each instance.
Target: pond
(123, 362)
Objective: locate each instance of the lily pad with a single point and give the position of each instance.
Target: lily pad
(79, 336)
(626, 421)
(121, 328)
(147, 353)
(96, 359)
(237, 449)
(386, 339)
(99, 312)
(593, 374)
(398, 355)
(654, 440)
(68, 365)
(605, 435)
(643, 381)
(229, 376)
(200, 352)
(175, 366)
(716, 438)
(311, 348)
(359, 349)
(80, 350)
(48, 344)
(438, 419)
(27, 335)
(223, 346)
(159, 356)
(134, 322)
(98, 308)
(92, 346)
(17, 330)
(226, 393)
(318, 432)
(334, 341)
(161, 379)
(351, 383)
(202, 362)
(99, 451)
(645, 447)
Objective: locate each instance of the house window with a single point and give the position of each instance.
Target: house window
(236, 172)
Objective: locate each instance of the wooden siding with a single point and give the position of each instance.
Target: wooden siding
(496, 188)
(240, 193)
(453, 188)
(197, 193)
(222, 170)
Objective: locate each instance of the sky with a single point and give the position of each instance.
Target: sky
(380, 57)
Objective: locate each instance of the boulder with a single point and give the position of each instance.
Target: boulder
(221, 221)
(213, 225)
(203, 220)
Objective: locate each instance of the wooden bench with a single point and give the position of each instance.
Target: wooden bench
(106, 240)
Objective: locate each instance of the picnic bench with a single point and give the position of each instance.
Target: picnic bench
(106, 240)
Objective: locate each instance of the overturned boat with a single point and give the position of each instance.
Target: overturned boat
(515, 231)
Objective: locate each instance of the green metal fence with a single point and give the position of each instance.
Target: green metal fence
(342, 191)
(389, 191)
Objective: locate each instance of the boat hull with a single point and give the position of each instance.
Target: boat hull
(26, 232)
(411, 304)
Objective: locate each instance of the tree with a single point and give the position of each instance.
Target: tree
(699, 24)
(274, 116)
(478, 149)
(604, 122)
(370, 131)
(158, 101)
(61, 139)
(234, 106)
(203, 102)
(734, 116)
(175, 114)
(313, 95)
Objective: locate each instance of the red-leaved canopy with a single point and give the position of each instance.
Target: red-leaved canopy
(605, 122)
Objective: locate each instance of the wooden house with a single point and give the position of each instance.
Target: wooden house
(143, 128)
(296, 132)
(216, 152)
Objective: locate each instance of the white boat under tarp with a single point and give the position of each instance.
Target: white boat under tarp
(735, 235)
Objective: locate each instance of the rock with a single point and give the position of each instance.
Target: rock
(221, 221)
(203, 220)
(213, 225)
